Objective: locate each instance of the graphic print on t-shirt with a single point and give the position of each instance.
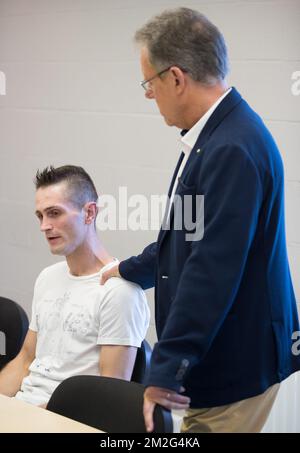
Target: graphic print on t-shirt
(63, 324)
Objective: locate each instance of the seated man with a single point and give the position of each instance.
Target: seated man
(77, 326)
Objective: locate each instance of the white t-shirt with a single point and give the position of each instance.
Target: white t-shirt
(72, 317)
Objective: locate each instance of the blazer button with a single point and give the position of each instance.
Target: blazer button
(164, 277)
(182, 370)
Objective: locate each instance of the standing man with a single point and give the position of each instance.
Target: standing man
(225, 306)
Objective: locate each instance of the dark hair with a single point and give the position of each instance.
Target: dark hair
(80, 185)
(185, 38)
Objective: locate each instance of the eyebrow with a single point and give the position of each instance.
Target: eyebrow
(48, 209)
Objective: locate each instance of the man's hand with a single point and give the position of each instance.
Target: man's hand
(112, 272)
(166, 398)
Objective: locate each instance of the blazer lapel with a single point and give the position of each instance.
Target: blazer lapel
(223, 109)
(169, 195)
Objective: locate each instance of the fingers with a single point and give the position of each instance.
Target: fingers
(167, 398)
(148, 409)
(113, 272)
(172, 400)
(177, 398)
(173, 405)
(104, 277)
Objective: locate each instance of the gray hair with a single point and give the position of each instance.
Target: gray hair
(185, 38)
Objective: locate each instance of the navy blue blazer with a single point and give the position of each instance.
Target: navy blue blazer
(225, 306)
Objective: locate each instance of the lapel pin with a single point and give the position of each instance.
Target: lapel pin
(198, 151)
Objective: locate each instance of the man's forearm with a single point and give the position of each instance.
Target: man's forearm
(12, 375)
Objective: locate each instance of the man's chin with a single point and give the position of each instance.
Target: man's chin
(169, 122)
(57, 252)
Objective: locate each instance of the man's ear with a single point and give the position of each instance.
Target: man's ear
(91, 211)
(179, 78)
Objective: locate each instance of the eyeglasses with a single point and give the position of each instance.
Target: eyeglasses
(146, 84)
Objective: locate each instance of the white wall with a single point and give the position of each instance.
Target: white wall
(73, 96)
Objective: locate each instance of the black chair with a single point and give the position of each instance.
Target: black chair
(142, 363)
(13, 329)
(111, 405)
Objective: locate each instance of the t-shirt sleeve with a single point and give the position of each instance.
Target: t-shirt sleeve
(124, 314)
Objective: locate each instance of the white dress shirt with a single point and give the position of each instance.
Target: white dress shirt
(188, 142)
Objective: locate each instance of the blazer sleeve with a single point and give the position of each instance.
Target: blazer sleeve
(141, 269)
(232, 189)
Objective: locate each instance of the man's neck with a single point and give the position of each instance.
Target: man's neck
(88, 259)
(200, 101)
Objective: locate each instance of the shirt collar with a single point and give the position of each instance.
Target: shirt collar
(189, 138)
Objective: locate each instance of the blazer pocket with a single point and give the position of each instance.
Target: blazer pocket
(182, 187)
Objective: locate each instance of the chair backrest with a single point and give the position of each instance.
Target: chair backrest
(109, 404)
(142, 363)
(13, 329)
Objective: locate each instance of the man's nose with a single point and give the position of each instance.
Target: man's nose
(45, 226)
(149, 94)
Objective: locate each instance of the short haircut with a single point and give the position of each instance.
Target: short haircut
(80, 186)
(185, 38)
